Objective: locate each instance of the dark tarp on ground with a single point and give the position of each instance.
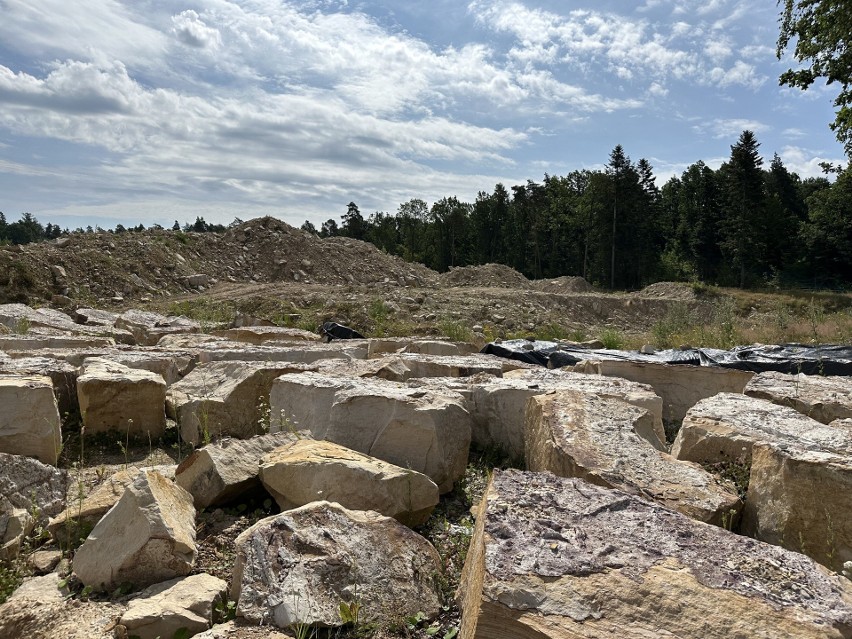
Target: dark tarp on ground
(826, 359)
(333, 330)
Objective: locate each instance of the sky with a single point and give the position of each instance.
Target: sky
(144, 111)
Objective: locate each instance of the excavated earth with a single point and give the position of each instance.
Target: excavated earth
(271, 270)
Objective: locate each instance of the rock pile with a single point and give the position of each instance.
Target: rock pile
(354, 442)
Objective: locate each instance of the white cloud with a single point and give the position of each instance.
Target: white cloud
(730, 128)
(192, 31)
(806, 162)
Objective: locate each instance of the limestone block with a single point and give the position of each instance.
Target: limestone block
(498, 405)
(147, 327)
(562, 558)
(574, 434)
(114, 397)
(821, 398)
(94, 317)
(221, 472)
(425, 430)
(266, 334)
(146, 538)
(62, 374)
(224, 398)
(299, 566)
(801, 500)
(309, 470)
(31, 343)
(14, 526)
(306, 353)
(434, 347)
(451, 366)
(389, 367)
(29, 419)
(680, 386)
(725, 427)
(83, 514)
(163, 609)
(30, 485)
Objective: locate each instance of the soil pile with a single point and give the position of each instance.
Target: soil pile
(669, 290)
(143, 265)
(565, 284)
(485, 276)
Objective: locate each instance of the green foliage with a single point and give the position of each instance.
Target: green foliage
(612, 338)
(455, 331)
(821, 31)
(11, 576)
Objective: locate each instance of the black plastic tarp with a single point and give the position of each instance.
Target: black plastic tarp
(826, 359)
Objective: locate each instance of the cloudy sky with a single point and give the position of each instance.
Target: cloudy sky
(149, 111)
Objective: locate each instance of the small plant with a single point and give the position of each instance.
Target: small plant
(455, 331)
(612, 338)
(22, 326)
(225, 608)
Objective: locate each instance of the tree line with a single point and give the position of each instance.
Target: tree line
(744, 224)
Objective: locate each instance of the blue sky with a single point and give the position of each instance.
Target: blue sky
(141, 111)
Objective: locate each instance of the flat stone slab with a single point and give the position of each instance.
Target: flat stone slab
(221, 472)
(680, 386)
(29, 418)
(300, 566)
(573, 434)
(164, 609)
(425, 430)
(33, 343)
(114, 397)
(821, 398)
(266, 334)
(225, 399)
(310, 470)
(307, 353)
(425, 365)
(147, 328)
(801, 500)
(725, 427)
(561, 558)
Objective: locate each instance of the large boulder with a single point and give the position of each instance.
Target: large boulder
(420, 365)
(680, 386)
(801, 500)
(309, 470)
(31, 343)
(573, 434)
(83, 513)
(62, 374)
(425, 430)
(114, 397)
(821, 398)
(22, 319)
(498, 405)
(562, 558)
(725, 427)
(300, 566)
(28, 484)
(164, 609)
(29, 419)
(14, 526)
(221, 472)
(224, 398)
(146, 538)
(147, 327)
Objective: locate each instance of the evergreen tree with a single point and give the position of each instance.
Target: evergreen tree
(309, 227)
(4, 228)
(353, 223)
(827, 233)
(744, 209)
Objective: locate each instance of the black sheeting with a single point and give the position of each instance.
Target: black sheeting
(333, 330)
(826, 359)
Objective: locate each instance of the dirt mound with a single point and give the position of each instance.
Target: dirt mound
(486, 276)
(669, 290)
(96, 267)
(564, 284)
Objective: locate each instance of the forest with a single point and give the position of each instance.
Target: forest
(744, 224)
